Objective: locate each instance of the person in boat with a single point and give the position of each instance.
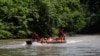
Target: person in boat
(49, 39)
(41, 40)
(35, 36)
(45, 40)
(61, 36)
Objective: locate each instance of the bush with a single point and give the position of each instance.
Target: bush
(5, 34)
(22, 33)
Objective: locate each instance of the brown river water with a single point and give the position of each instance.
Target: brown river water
(80, 45)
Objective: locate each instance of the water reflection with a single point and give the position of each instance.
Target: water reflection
(46, 51)
(75, 46)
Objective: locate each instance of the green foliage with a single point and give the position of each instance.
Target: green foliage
(92, 15)
(5, 34)
(22, 17)
(21, 33)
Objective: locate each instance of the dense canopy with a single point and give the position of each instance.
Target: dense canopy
(22, 17)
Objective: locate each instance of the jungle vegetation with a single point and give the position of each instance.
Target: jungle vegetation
(20, 18)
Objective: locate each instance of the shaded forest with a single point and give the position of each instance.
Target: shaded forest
(20, 18)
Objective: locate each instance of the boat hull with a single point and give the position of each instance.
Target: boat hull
(29, 42)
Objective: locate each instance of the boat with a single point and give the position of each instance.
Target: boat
(36, 38)
(29, 42)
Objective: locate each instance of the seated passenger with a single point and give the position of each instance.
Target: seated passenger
(49, 39)
(35, 36)
(61, 36)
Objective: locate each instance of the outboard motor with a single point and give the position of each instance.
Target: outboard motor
(29, 42)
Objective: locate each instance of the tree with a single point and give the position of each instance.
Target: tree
(22, 17)
(92, 12)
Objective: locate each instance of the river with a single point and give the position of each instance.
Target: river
(80, 45)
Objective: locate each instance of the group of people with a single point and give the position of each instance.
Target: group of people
(61, 38)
